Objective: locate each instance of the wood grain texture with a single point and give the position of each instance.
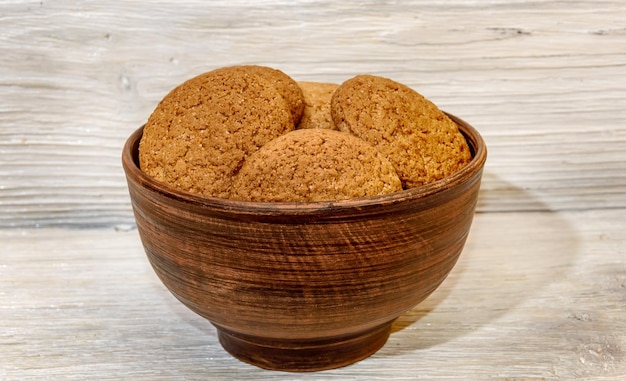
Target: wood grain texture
(547, 305)
(539, 291)
(541, 80)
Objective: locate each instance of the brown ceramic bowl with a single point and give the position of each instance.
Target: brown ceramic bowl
(304, 286)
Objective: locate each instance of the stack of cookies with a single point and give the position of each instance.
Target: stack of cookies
(253, 133)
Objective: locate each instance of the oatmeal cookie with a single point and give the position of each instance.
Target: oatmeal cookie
(314, 165)
(199, 135)
(422, 143)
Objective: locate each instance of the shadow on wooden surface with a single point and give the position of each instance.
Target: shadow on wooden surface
(548, 258)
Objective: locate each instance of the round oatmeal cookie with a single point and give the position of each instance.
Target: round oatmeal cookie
(314, 165)
(317, 97)
(286, 86)
(199, 135)
(422, 143)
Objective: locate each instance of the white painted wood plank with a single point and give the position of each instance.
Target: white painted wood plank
(543, 82)
(534, 296)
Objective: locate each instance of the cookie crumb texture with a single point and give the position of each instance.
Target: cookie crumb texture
(286, 86)
(315, 165)
(202, 131)
(317, 96)
(422, 143)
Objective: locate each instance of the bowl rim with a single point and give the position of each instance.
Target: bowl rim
(130, 163)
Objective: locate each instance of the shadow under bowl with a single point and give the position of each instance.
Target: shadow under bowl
(304, 286)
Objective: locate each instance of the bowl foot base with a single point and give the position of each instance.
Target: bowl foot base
(304, 355)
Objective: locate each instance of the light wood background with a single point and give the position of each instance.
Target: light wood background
(540, 290)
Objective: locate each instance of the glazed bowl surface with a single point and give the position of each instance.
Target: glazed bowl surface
(304, 286)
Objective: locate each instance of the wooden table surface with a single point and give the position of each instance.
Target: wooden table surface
(540, 290)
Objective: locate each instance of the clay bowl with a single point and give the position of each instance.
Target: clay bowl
(304, 286)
